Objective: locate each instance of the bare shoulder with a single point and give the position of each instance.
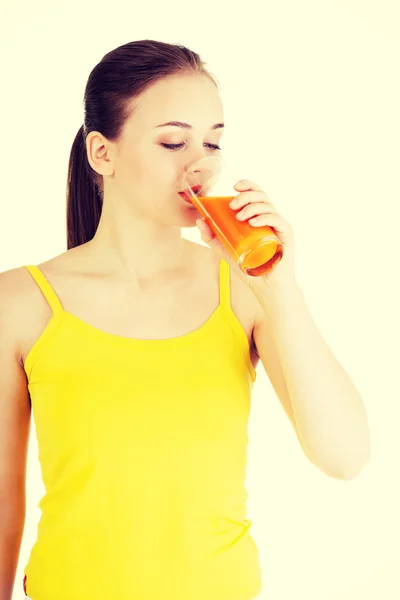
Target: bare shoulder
(20, 298)
(23, 309)
(14, 285)
(15, 294)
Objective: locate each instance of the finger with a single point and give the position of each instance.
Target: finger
(256, 208)
(273, 220)
(246, 184)
(246, 197)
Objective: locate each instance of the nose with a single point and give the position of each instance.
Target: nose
(201, 170)
(203, 165)
(197, 164)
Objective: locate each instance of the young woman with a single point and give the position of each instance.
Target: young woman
(136, 350)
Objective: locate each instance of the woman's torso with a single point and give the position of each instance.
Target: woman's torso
(141, 397)
(141, 401)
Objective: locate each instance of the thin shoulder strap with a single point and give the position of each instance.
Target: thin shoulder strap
(45, 288)
(231, 318)
(224, 284)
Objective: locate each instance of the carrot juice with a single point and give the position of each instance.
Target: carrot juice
(257, 250)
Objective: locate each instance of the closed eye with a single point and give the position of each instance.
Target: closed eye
(177, 146)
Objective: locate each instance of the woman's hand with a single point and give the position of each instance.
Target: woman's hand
(253, 205)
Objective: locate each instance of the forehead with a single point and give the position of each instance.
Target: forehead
(193, 99)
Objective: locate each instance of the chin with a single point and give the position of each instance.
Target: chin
(191, 213)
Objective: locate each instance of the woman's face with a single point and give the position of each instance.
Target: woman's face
(147, 173)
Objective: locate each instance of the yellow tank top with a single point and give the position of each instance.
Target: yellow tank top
(143, 450)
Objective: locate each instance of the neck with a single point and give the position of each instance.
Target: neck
(137, 250)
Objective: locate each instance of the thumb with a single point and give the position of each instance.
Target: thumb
(208, 236)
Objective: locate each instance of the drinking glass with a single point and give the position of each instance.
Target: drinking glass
(208, 185)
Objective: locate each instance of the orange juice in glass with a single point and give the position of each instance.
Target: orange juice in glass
(206, 183)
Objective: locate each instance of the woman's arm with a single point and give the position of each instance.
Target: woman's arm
(323, 402)
(15, 415)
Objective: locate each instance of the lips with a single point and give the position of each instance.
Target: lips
(196, 189)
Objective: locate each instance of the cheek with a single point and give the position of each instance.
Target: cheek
(139, 176)
(151, 175)
(165, 179)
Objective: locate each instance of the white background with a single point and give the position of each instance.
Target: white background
(311, 97)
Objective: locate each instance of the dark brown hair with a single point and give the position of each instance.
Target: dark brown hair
(115, 81)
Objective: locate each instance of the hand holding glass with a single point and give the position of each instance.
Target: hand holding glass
(209, 186)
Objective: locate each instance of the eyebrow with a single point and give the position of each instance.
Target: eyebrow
(187, 126)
